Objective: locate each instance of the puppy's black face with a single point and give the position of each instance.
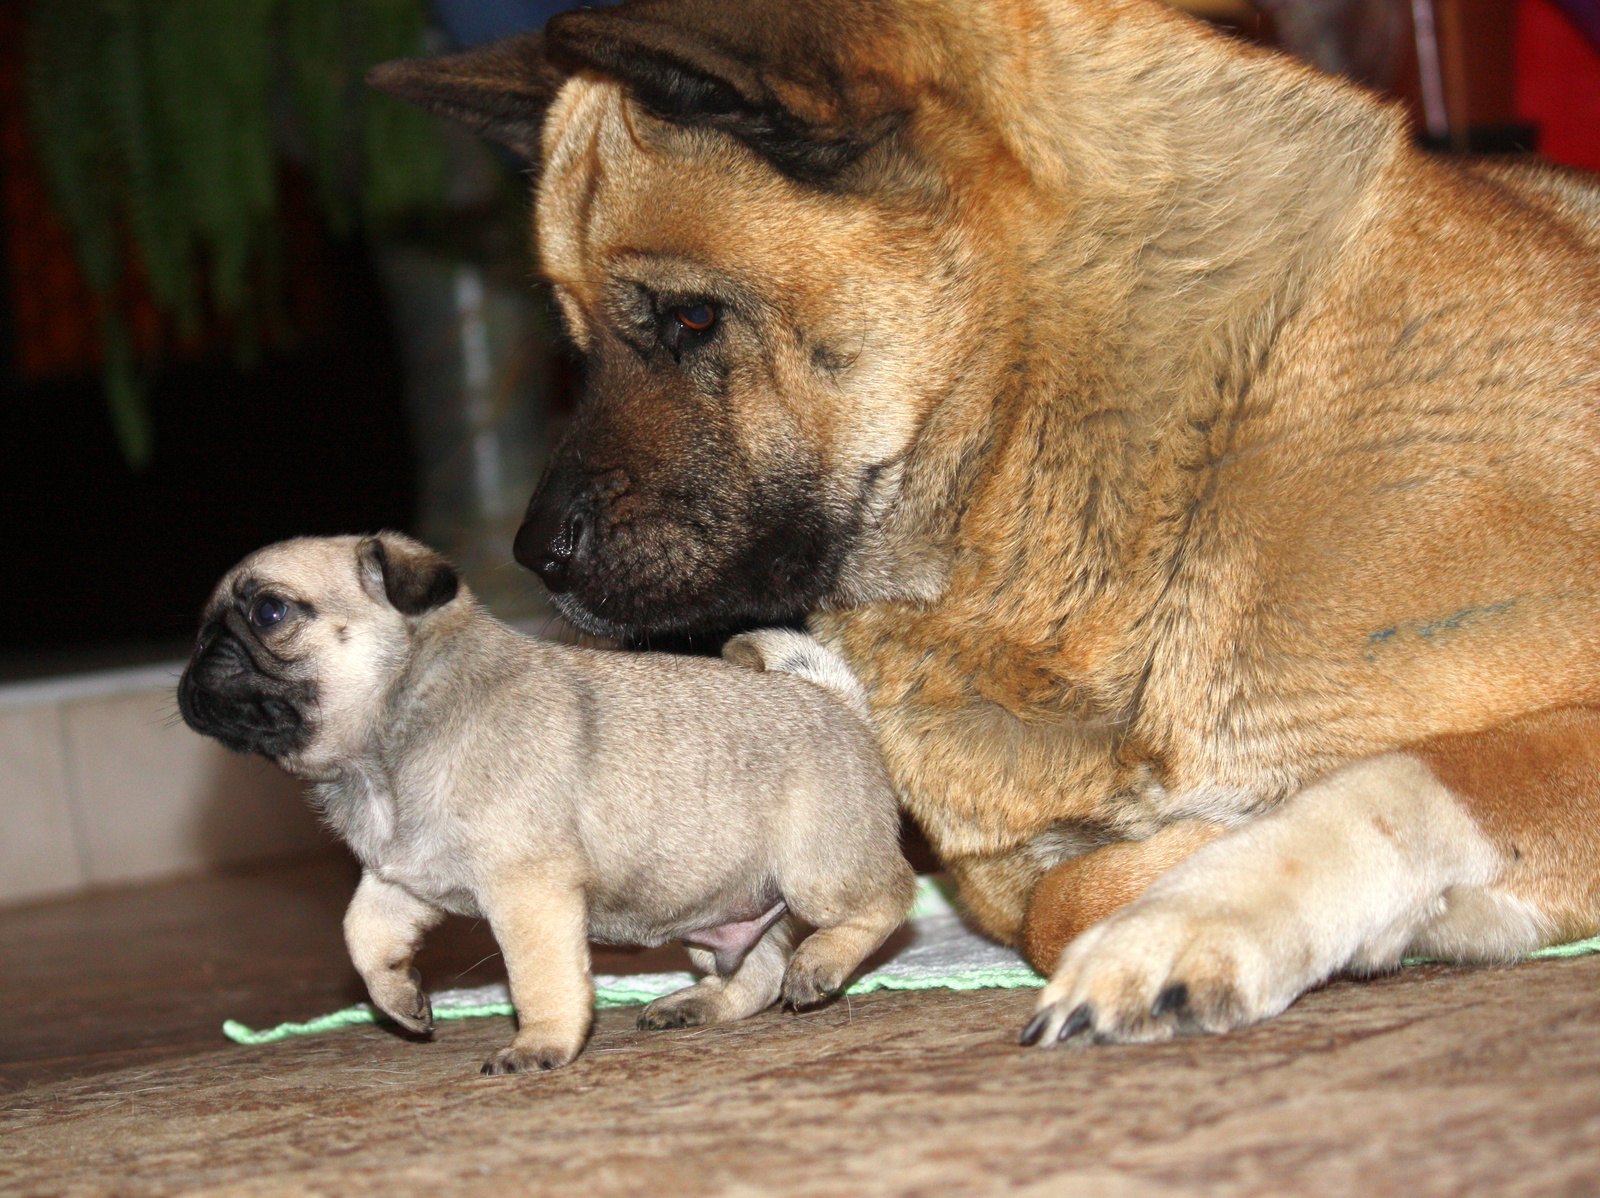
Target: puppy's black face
(237, 688)
(301, 642)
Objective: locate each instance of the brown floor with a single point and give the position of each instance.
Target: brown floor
(117, 1081)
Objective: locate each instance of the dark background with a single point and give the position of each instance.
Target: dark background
(102, 565)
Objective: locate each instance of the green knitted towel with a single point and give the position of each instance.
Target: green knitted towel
(942, 954)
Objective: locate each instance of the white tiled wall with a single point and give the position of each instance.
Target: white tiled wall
(100, 783)
(39, 849)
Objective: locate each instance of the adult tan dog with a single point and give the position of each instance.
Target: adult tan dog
(1204, 483)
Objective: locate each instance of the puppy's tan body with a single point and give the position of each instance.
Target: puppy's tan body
(569, 794)
(1204, 483)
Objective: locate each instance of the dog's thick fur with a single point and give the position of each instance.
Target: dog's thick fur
(563, 793)
(1204, 483)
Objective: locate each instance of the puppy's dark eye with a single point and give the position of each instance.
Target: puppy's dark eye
(696, 318)
(268, 611)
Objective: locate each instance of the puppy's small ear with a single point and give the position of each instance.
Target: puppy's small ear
(769, 74)
(409, 577)
(500, 91)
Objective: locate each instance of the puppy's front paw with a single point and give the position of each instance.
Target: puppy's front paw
(1161, 967)
(526, 1060)
(400, 996)
(536, 1049)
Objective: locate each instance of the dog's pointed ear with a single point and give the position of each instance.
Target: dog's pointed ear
(769, 74)
(410, 577)
(500, 91)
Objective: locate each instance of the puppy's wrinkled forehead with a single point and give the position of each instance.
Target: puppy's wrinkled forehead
(316, 572)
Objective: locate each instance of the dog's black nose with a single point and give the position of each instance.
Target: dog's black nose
(548, 541)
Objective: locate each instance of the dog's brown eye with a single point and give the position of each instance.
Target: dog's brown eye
(697, 318)
(268, 611)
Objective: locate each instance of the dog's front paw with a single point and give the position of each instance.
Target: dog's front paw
(1161, 967)
(400, 996)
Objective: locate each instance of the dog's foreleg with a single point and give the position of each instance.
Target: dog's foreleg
(1533, 785)
(541, 923)
(1078, 893)
(383, 926)
(1346, 874)
(750, 988)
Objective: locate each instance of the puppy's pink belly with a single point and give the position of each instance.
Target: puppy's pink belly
(731, 941)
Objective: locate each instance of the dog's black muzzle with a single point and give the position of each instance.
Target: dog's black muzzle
(555, 531)
(692, 555)
(225, 694)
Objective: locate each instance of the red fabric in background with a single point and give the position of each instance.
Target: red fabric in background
(1558, 84)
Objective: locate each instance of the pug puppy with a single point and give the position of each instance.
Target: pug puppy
(565, 794)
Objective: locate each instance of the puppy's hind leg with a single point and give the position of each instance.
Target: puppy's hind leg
(752, 987)
(383, 926)
(851, 922)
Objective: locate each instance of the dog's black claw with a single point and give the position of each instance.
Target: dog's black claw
(487, 1069)
(1173, 1000)
(1035, 1029)
(1081, 1017)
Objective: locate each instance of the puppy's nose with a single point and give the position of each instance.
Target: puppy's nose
(548, 541)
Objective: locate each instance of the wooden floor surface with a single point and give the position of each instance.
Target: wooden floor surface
(117, 1080)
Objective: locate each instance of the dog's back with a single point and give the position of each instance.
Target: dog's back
(1569, 195)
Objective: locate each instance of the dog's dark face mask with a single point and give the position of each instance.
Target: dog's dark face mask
(720, 466)
(236, 690)
(657, 515)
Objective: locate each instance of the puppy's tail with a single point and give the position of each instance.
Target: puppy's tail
(796, 653)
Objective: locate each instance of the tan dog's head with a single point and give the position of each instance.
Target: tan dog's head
(752, 253)
(301, 642)
(852, 276)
